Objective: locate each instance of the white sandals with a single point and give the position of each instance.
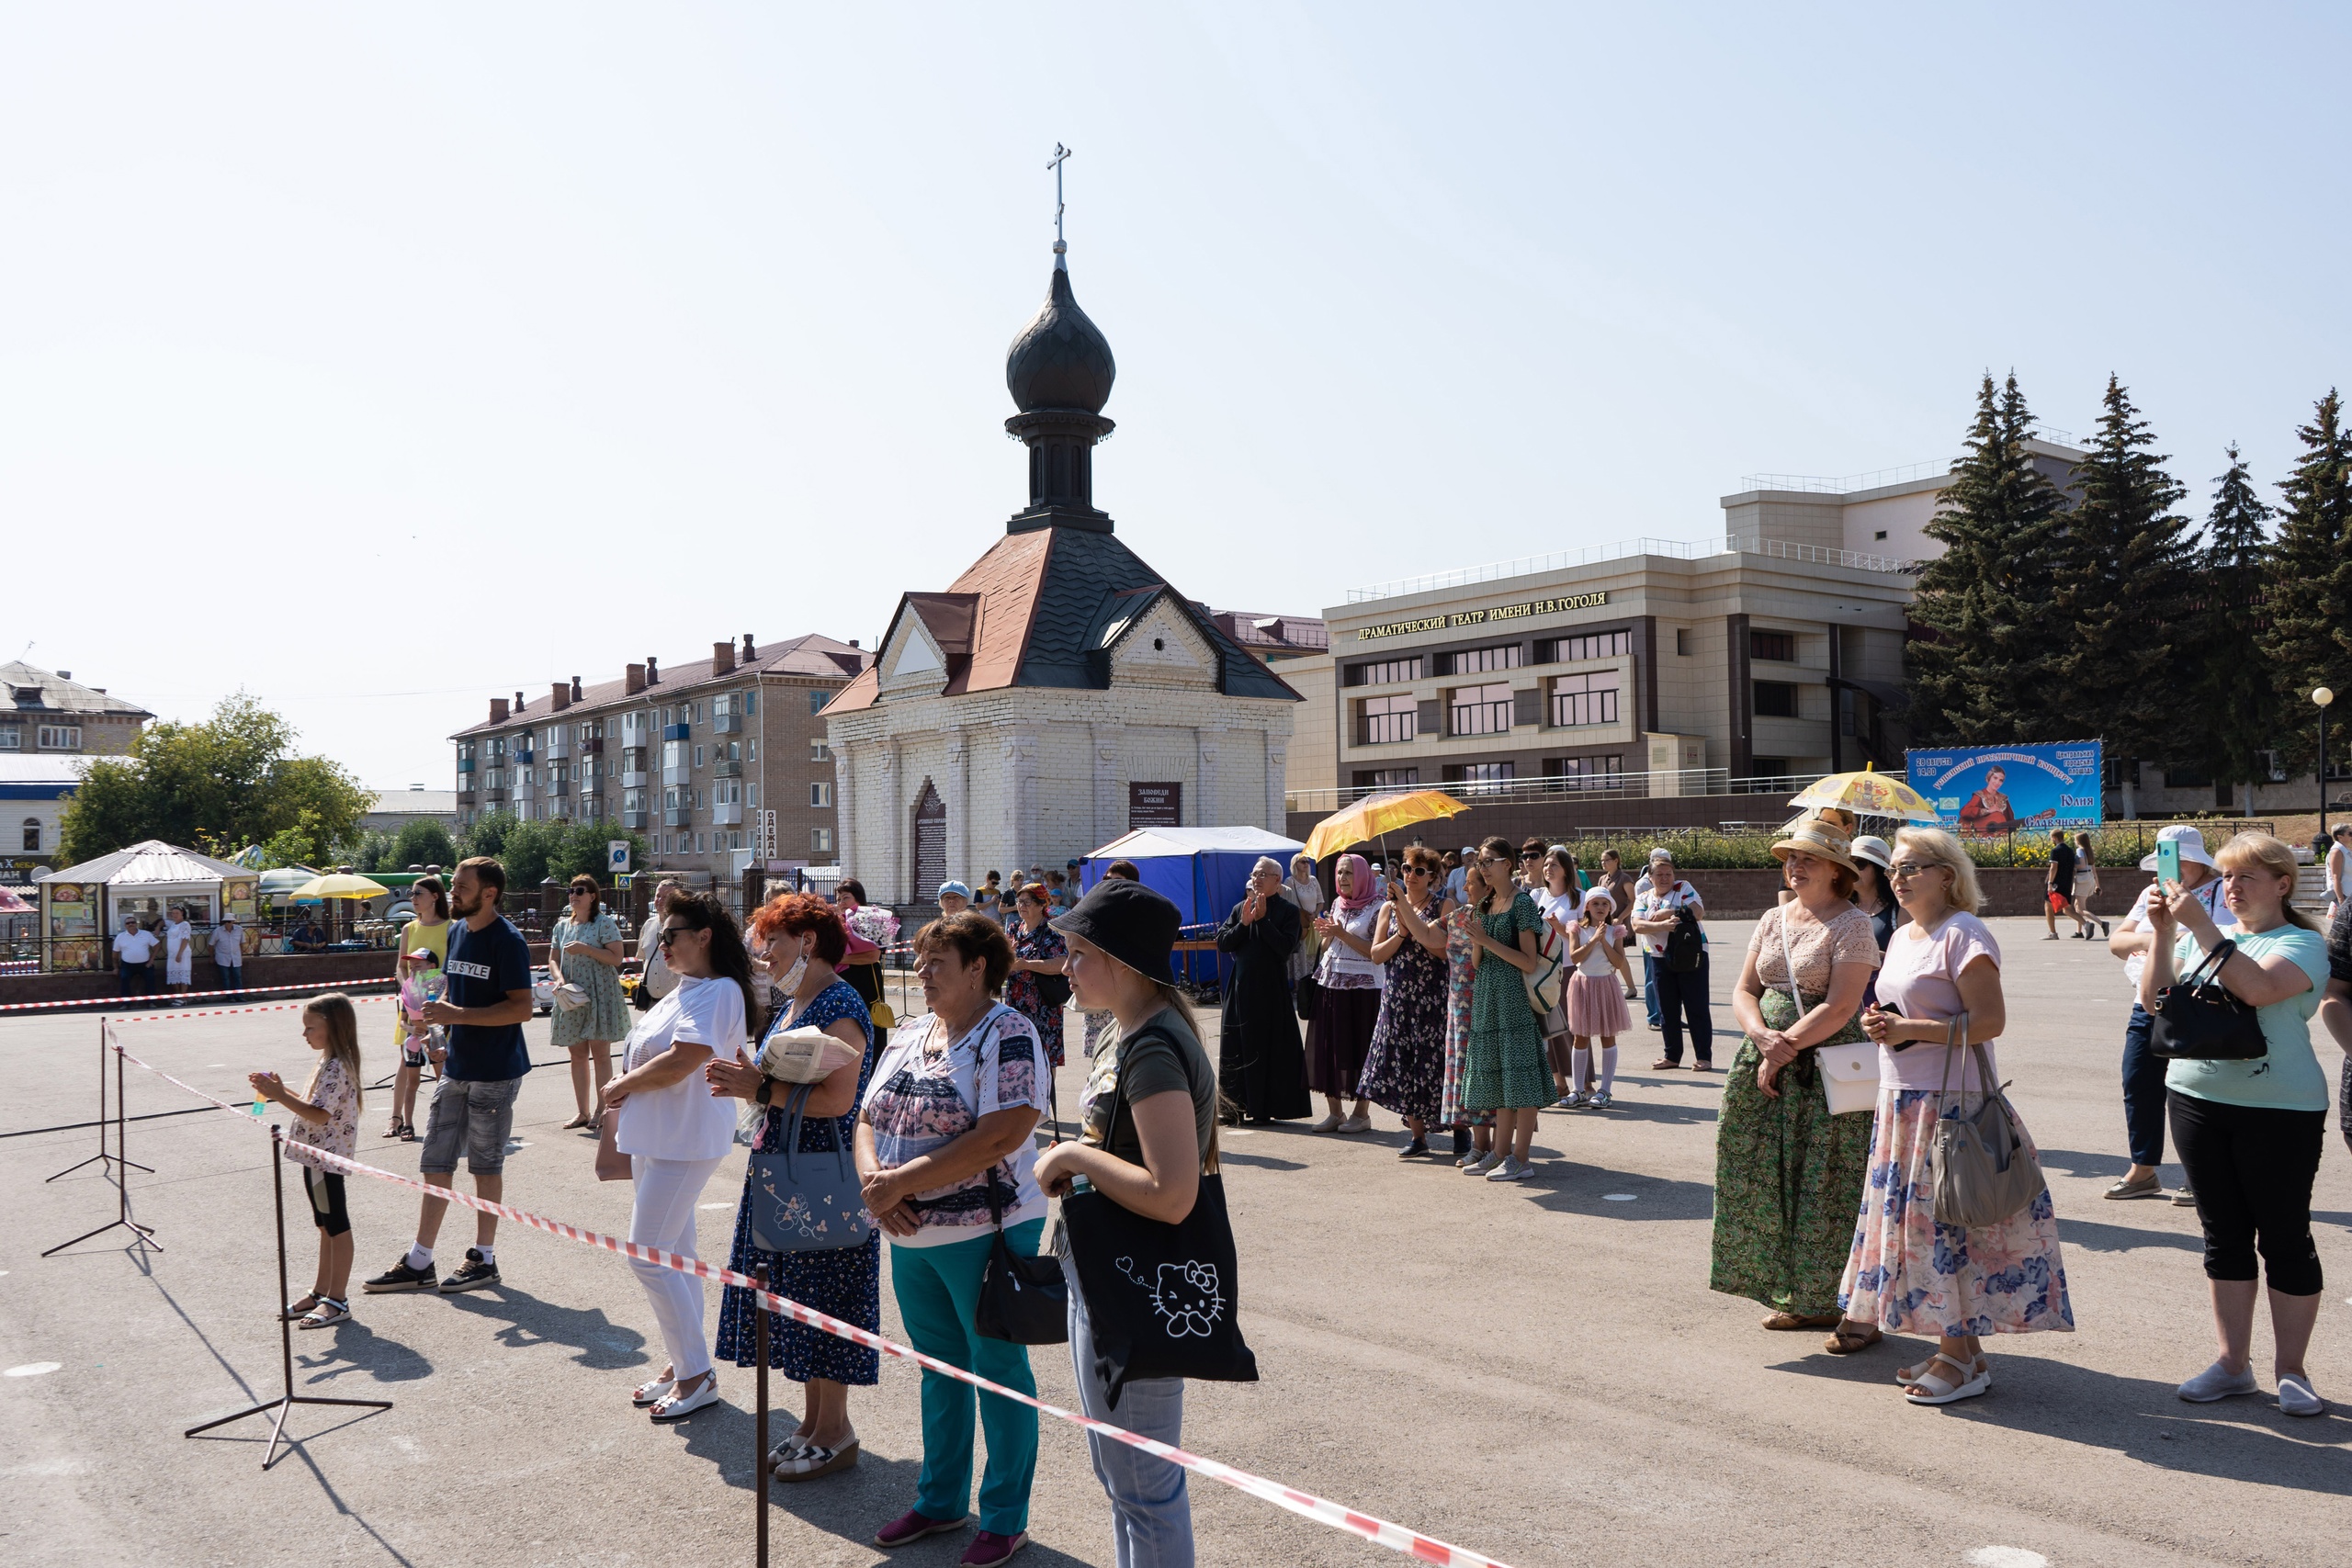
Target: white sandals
(676, 1406)
(652, 1393)
(1945, 1391)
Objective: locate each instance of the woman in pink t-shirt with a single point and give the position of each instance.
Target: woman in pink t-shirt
(1909, 1272)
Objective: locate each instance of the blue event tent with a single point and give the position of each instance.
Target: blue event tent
(1203, 870)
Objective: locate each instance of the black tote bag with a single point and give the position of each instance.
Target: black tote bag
(1024, 1298)
(1161, 1298)
(2199, 1019)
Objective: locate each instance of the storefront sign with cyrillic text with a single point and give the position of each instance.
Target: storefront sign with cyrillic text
(1592, 601)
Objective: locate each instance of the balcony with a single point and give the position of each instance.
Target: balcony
(494, 798)
(465, 765)
(464, 797)
(635, 818)
(522, 755)
(727, 768)
(677, 816)
(677, 732)
(728, 815)
(560, 786)
(592, 747)
(559, 748)
(726, 724)
(678, 775)
(633, 780)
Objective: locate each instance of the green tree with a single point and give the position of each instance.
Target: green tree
(2307, 641)
(558, 847)
(422, 843)
(2120, 577)
(2236, 705)
(215, 785)
(487, 835)
(1982, 673)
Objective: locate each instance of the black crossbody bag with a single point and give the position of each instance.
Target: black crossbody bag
(1160, 1299)
(2199, 1019)
(1023, 1296)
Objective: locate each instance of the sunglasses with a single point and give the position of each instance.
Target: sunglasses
(671, 933)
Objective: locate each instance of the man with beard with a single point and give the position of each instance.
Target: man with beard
(488, 999)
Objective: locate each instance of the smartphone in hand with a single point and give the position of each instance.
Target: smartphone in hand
(2168, 863)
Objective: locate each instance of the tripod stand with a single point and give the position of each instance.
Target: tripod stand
(101, 1157)
(146, 1234)
(285, 1403)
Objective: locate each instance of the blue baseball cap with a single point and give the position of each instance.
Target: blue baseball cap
(956, 887)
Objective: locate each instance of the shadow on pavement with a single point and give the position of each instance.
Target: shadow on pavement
(2239, 1439)
(1259, 1162)
(353, 1347)
(2093, 1235)
(1624, 1109)
(1567, 1186)
(601, 1344)
(850, 1505)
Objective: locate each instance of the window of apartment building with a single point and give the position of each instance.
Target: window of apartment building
(698, 756)
(817, 700)
(1775, 699)
(1682, 642)
(1590, 698)
(1778, 647)
(821, 795)
(1480, 710)
(1585, 773)
(751, 750)
(60, 738)
(1383, 721)
(1480, 772)
(1384, 672)
(1588, 645)
(1477, 661)
(1387, 778)
(752, 793)
(819, 751)
(726, 792)
(12, 737)
(820, 841)
(32, 834)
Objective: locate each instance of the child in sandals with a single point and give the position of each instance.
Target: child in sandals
(327, 1116)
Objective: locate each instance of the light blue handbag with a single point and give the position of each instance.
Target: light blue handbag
(806, 1202)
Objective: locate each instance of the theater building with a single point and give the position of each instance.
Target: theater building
(1061, 690)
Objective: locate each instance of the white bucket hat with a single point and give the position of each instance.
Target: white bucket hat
(2191, 842)
(1873, 849)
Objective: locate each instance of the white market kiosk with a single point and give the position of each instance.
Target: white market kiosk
(83, 906)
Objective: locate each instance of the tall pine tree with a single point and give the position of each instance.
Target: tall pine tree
(1983, 673)
(2121, 561)
(2236, 703)
(2308, 640)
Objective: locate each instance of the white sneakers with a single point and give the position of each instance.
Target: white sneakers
(1511, 1170)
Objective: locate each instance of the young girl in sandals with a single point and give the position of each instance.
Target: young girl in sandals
(327, 1116)
(1596, 1007)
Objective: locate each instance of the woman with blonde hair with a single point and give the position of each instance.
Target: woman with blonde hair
(1910, 1272)
(2249, 1132)
(1788, 1171)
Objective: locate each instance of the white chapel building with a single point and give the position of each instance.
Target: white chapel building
(1060, 691)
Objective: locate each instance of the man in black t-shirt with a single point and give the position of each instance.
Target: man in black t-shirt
(488, 999)
(2059, 883)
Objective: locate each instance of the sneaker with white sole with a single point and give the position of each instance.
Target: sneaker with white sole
(1359, 1122)
(1511, 1170)
(1484, 1163)
(472, 1275)
(1330, 1124)
(1465, 1160)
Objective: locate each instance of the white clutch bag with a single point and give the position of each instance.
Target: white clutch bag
(1848, 1076)
(805, 1056)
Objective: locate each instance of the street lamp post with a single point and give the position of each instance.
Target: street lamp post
(2322, 697)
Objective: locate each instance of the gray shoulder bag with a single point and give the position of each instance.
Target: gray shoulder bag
(1983, 1173)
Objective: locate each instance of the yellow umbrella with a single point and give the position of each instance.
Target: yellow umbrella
(1868, 793)
(1377, 814)
(338, 885)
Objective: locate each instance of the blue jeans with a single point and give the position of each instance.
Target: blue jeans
(938, 1290)
(1682, 995)
(1151, 1512)
(1649, 987)
(2144, 1091)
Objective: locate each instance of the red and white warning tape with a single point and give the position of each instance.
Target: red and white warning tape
(1395, 1537)
(155, 998)
(172, 1015)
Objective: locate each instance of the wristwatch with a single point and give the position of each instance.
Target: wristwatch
(767, 1085)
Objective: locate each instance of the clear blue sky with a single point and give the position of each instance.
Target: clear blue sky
(380, 359)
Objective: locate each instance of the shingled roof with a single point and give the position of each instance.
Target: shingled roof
(1045, 605)
(811, 654)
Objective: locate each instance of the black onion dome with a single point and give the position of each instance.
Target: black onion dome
(1060, 360)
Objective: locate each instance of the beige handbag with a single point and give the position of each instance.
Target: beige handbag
(1849, 1073)
(1983, 1173)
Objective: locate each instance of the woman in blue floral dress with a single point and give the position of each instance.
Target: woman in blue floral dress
(1405, 1070)
(1038, 953)
(804, 940)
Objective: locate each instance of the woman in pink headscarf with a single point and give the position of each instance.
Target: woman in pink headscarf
(1349, 982)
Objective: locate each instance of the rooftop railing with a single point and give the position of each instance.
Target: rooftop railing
(1625, 550)
(1668, 784)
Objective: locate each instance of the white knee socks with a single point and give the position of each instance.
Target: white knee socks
(1579, 1061)
(1607, 1069)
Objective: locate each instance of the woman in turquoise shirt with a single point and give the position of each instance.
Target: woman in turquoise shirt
(2250, 1132)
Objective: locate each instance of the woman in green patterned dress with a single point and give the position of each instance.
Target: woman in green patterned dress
(586, 948)
(1789, 1175)
(1507, 1071)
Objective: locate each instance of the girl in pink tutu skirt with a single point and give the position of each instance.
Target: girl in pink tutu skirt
(1596, 1007)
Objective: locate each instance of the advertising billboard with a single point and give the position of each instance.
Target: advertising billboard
(1993, 791)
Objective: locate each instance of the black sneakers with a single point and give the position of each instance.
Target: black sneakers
(476, 1272)
(400, 1277)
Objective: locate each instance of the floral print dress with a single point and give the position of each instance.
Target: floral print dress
(1459, 983)
(844, 1282)
(1021, 994)
(1405, 1070)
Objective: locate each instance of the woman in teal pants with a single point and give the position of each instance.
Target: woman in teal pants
(946, 1125)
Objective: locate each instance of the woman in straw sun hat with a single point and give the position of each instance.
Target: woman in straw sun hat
(1787, 1172)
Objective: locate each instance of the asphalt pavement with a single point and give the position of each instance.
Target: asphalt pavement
(1537, 1371)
